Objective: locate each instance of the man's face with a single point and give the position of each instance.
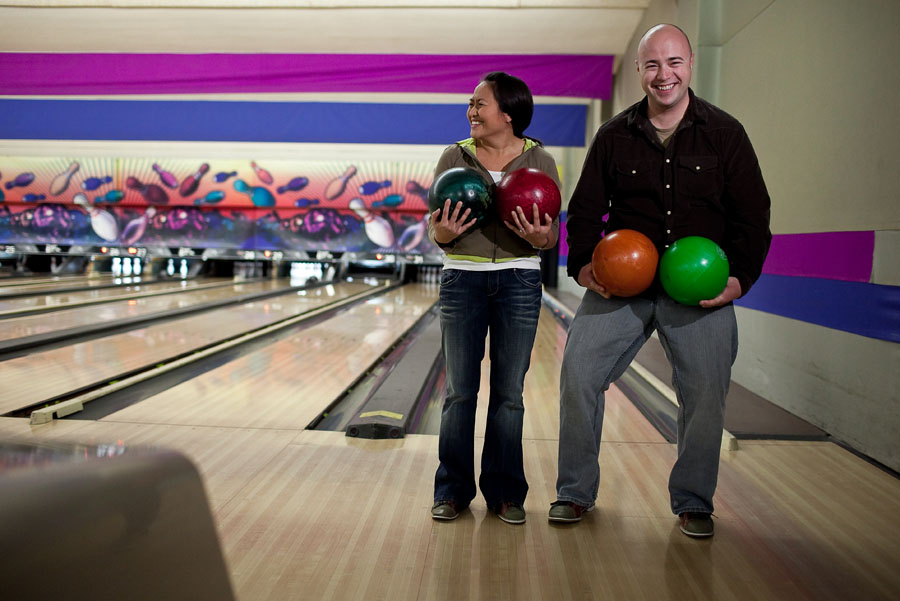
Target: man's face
(664, 63)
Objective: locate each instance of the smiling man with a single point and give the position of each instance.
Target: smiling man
(670, 166)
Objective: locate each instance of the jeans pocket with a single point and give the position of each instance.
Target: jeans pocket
(529, 277)
(449, 276)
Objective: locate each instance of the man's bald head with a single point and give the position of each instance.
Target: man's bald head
(663, 27)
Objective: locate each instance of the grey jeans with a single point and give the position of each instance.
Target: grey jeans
(606, 334)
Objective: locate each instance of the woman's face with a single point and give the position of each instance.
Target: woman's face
(485, 116)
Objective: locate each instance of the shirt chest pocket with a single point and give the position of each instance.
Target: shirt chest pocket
(699, 178)
(635, 179)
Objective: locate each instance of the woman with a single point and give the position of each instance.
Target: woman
(491, 282)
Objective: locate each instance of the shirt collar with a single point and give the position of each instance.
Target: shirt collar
(695, 113)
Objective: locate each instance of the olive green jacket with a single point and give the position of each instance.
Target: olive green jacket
(493, 242)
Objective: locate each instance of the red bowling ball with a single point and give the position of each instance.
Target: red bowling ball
(523, 188)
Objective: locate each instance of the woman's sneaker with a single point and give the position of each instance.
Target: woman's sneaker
(512, 513)
(698, 525)
(444, 510)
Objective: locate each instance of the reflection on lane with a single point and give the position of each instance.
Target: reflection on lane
(113, 311)
(56, 299)
(288, 383)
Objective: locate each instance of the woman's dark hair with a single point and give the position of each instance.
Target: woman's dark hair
(514, 99)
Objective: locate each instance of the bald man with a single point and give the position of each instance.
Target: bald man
(670, 166)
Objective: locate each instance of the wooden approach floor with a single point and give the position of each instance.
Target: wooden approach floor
(315, 515)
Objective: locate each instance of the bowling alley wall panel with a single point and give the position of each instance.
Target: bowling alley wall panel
(235, 204)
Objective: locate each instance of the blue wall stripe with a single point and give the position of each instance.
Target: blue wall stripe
(327, 122)
(871, 310)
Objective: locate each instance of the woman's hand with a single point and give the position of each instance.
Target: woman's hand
(539, 235)
(448, 226)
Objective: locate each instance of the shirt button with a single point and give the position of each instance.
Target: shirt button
(668, 212)
(668, 186)
(698, 167)
(668, 161)
(633, 172)
(668, 231)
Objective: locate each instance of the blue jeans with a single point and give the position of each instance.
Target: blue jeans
(606, 334)
(507, 304)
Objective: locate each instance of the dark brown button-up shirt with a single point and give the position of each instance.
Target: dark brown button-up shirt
(705, 182)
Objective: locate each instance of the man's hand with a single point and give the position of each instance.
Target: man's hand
(586, 279)
(731, 292)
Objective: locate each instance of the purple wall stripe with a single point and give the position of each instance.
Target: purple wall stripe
(588, 76)
(830, 255)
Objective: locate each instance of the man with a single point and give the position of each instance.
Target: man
(670, 166)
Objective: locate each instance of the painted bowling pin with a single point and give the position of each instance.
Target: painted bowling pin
(412, 236)
(61, 181)
(260, 196)
(263, 175)
(190, 183)
(337, 186)
(135, 228)
(103, 222)
(165, 177)
(378, 229)
(295, 185)
(151, 192)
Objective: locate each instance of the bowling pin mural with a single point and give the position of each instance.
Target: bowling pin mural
(337, 186)
(103, 222)
(295, 185)
(92, 183)
(190, 183)
(61, 181)
(21, 180)
(211, 198)
(369, 188)
(413, 235)
(222, 176)
(134, 229)
(391, 200)
(151, 192)
(260, 196)
(165, 177)
(110, 197)
(378, 229)
(263, 175)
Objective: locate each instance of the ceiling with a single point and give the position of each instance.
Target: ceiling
(322, 26)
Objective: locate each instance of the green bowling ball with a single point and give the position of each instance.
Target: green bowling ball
(466, 185)
(693, 269)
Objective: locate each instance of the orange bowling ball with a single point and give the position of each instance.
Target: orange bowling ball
(624, 262)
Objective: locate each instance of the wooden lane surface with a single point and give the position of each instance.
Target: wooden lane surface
(8, 282)
(59, 300)
(289, 383)
(317, 515)
(43, 375)
(32, 325)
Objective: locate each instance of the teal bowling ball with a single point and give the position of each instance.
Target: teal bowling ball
(466, 185)
(693, 269)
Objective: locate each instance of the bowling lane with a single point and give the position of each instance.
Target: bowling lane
(132, 307)
(61, 300)
(287, 384)
(32, 280)
(42, 285)
(40, 376)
